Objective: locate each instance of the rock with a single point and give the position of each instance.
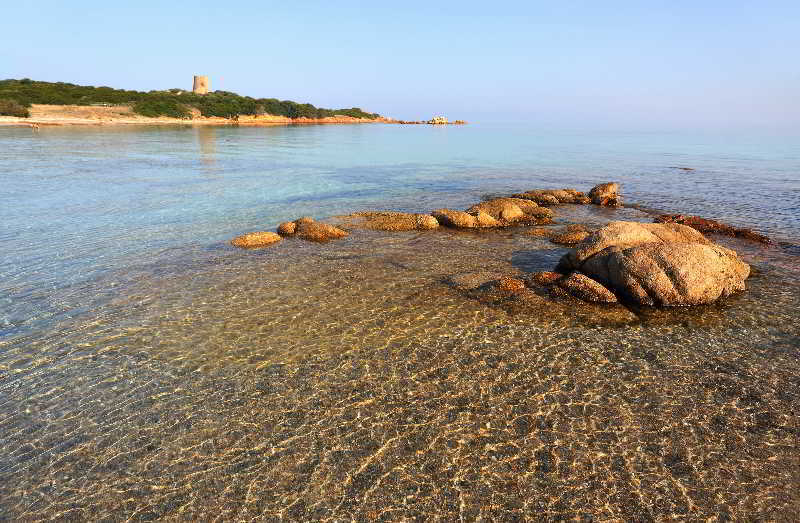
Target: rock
(453, 218)
(658, 264)
(509, 284)
(630, 234)
(304, 219)
(560, 194)
(540, 197)
(546, 278)
(705, 225)
(318, 232)
(464, 220)
(582, 199)
(394, 221)
(526, 206)
(287, 228)
(483, 219)
(255, 239)
(499, 209)
(569, 238)
(606, 194)
(586, 289)
(576, 227)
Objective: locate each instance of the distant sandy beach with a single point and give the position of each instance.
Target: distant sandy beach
(65, 115)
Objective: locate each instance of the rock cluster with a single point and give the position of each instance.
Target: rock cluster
(658, 264)
(497, 212)
(706, 225)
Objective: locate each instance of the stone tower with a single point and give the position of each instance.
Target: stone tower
(201, 85)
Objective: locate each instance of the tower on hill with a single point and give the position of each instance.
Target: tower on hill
(201, 85)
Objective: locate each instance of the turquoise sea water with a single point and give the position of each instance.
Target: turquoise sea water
(78, 202)
(148, 369)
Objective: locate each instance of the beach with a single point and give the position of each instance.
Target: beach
(150, 370)
(61, 115)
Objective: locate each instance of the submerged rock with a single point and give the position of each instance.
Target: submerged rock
(467, 281)
(255, 239)
(546, 278)
(586, 289)
(392, 221)
(658, 264)
(509, 284)
(606, 194)
(705, 225)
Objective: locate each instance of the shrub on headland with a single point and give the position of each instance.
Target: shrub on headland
(13, 108)
(161, 107)
(165, 103)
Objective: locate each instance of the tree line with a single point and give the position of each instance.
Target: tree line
(18, 95)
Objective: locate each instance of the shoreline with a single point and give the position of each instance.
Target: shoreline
(43, 115)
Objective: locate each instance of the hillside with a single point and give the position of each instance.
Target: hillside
(16, 95)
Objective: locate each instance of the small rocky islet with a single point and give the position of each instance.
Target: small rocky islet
(667, 263)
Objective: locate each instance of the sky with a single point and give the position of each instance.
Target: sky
(634, 64)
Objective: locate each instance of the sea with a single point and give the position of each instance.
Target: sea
(150, 370)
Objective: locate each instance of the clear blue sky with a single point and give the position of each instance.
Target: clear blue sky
(656, 64)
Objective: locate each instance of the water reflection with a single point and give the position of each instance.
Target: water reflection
(206, 136)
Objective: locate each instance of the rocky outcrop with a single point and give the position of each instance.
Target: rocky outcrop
(606, 194)
(504, 209)
(255, 239)
(311, 230)
(553, 196)
(391, 221)
(705, 225)
(658, 264)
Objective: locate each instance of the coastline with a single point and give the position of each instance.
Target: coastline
(79, 115)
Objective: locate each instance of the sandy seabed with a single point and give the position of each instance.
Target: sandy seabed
(350, 381)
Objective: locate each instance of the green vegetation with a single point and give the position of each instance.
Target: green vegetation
(13, 108)
(174, 102)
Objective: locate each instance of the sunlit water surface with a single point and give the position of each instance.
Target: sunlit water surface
(149, 370)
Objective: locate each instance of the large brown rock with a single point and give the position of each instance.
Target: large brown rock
(255, 239)
(606, 194)
(658, 264)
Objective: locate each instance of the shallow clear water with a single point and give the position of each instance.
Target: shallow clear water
(148, 369)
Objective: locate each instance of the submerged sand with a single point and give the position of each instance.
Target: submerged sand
(350, 380)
